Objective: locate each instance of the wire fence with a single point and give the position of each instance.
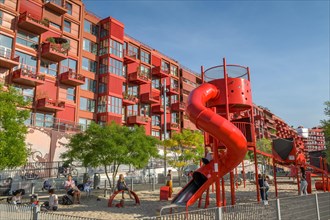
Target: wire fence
(311, 207)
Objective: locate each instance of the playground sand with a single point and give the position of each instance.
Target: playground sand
(150, 204)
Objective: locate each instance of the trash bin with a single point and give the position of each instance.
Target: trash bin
(85, 178)
(97, 180)
(164, 193)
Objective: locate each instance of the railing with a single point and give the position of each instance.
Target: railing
(5, 52)
(29, 17)
(299, 207)
(30, 71)
(73, 75)
(56, 2)
(130, 53)
(246, 128)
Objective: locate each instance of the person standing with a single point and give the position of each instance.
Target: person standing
(72, 189)
(169, 182)
(303, 184)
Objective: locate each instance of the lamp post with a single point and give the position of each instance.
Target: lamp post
(165, 127)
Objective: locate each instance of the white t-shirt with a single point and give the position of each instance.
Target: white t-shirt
(53, 200)
(70, 184)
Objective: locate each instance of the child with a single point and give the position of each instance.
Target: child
(52, 200)
(121, 185)
(169, 182)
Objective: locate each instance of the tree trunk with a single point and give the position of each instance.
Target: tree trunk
(106, 173)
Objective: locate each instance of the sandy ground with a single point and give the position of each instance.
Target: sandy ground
(150, 204)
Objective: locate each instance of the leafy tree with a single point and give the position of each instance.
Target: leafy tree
(264, 145)
(187, 148)
(111, 145)
(326, 129)
(13, 152)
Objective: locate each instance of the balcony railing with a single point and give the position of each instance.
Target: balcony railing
(47, 104)
(158, 71)
(27, 75)
(140, 77)
(136, 119)
(173, 89)
(72, 78)
(5, 58)
(27, 22)
(55, 52)
(178, 106)
(56, 5)
(130, 56)
(129, 99)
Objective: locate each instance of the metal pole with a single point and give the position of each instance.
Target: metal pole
(317, 207)
(165, 127)
(36, 210)
(278, 209)
(219, 213)
(132, 184)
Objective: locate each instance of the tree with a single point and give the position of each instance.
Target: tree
(13, 151)
(264, 145)
(326, 129)
(111, 145)
(186, 147)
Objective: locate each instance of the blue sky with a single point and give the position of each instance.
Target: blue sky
(285, 44)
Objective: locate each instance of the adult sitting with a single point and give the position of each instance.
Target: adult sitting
(72, 189)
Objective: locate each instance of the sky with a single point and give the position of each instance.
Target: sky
(284, 43)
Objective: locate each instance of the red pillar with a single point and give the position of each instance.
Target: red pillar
(243, 174)
(309, 181)
(275, 179)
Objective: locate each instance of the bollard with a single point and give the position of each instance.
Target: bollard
(153, 184)
(36, 210)
(105, 189)
(32, 188)
(132, 184)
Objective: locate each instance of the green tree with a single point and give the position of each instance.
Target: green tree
(186, 147)
(326, 129)
(112, 145)
(13, 152)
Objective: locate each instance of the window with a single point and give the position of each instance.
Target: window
(165, 66)
(48, 67)
(1, 15)
(155, 83)
(155, 120)
(145, 71)
(132, 110)
(90, 46)
(68, 64)
(133, 90)
(70, 95)
(174, 70)
(115, 105)
(54, 25)
(89, 85)
(104, 30)
(89, 65)
(116, 67)
(174, 84)
(102, 104)
(145, 110)
(116, 48)
(91, 28)
(27, 39)
(133, 51)
(27, 61)
(67, 26)
(174, 99)
(44, 120)
(5, 46)
(87, 104)
(84, 122)
(27, 93)
(145, 57)
(103, 84)
(155, 133)
(174, 118)
(68, 7)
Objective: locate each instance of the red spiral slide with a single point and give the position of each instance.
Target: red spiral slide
(227, 133)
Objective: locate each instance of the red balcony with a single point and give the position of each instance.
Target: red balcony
(178, 107)
(172, 90)
(27, 22)
(157, 109)
(28, 76)
(139, 77)
(140, 120)
(130, 57)
(56, 6)
(5, 58)
(149, 98)
(158, 71)
(46, 104)
(129, 99)
(71, 78)
(173, 126)
(54, 52)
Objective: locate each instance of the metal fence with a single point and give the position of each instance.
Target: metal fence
(311, 207)
(27, 212)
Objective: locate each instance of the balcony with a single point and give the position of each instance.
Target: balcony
(140, 120)
(54, 52)
(129, 99)
(157, 109)
(27, 22)
(71, 78)
(172, 89)
(149, 98)
(130, 57)
(139, 77)
(5, 58)
(56, 6)
(47, 104)
(178, 107)
(173, 126)
(28, 76)
(159, 72)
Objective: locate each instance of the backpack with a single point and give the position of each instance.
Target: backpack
(46, 185)
(22, 191)
(66, 200)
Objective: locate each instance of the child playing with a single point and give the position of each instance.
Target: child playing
(52, 200)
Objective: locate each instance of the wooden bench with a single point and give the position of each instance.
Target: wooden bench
(112, 197)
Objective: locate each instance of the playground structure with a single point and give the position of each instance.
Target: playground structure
(222, 107)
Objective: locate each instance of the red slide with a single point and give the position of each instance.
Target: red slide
(219, 127)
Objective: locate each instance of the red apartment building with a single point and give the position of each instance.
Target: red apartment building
(75, 68)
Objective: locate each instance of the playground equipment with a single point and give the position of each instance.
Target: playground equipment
(222, 107)
(112, 197)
